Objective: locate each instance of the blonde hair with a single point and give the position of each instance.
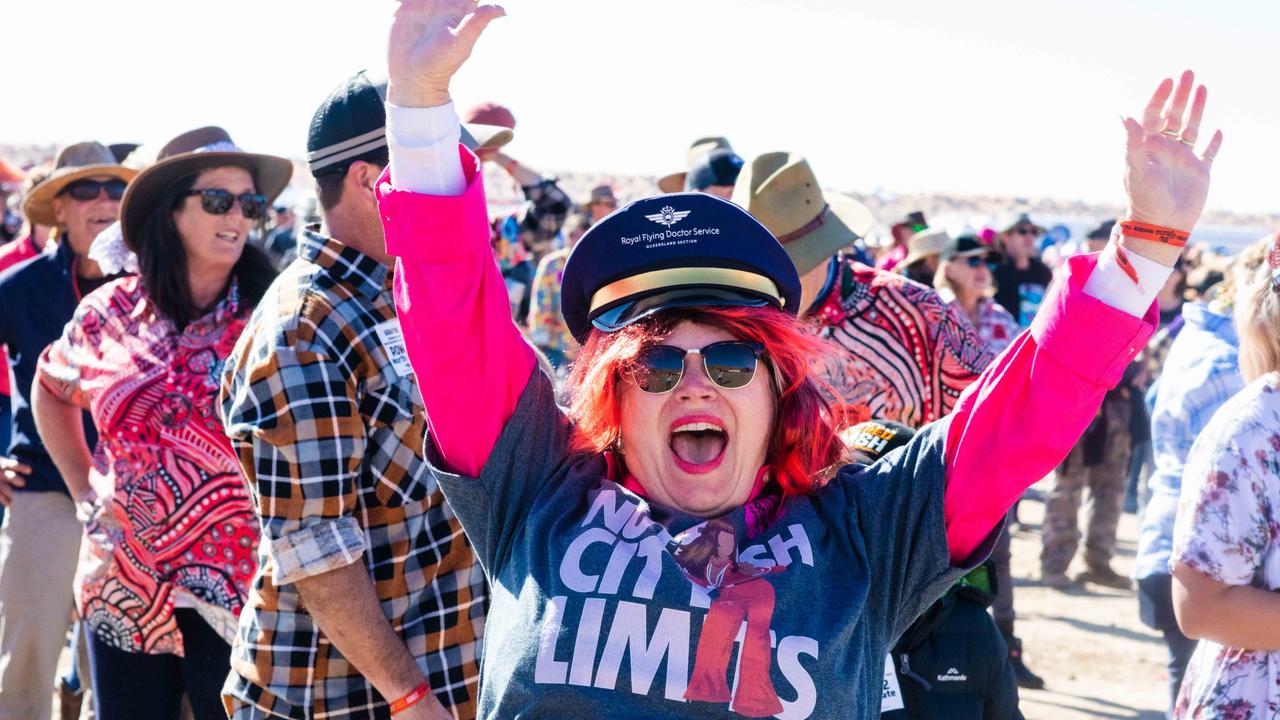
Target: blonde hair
(1257, 311)
(941, 282)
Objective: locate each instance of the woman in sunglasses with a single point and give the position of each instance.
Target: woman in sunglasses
(963, 278)
(696, 408)
(170, 535)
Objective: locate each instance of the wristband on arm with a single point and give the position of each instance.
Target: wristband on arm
(1142, 231)
(414, 697)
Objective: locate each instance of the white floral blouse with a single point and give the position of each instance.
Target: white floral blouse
(1228, 528)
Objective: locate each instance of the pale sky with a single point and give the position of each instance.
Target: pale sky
(1006, 97)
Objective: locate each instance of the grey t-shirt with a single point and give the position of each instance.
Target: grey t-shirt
(605, 605)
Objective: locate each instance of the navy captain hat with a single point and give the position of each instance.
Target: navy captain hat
(670, 251)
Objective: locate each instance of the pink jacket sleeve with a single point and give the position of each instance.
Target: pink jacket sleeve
(1026, 411)
(471, 361)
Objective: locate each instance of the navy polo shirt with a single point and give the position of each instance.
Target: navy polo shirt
(37, 298)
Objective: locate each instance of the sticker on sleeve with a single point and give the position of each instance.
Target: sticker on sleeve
(891, 697)
(393, 343)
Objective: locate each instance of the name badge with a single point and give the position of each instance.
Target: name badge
(393, 343)
(891, 697)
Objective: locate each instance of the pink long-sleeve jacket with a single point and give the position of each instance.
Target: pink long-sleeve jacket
(1010, 428)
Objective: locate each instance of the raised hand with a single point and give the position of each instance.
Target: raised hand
(1166, 181)
(429, 41)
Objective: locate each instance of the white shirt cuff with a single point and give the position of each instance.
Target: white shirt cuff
(423, 147)
(1111, 285)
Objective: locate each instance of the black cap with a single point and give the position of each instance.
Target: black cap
(874, 439)
(967, 245)
(121, 151)
(349, 125)
(915, 217)
(718, 167)
(668, 251)
(1102, 232)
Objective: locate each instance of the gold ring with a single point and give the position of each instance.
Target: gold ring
(1170, 134)
(1187, 142)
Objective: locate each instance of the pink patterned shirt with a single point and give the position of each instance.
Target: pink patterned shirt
(177, 520)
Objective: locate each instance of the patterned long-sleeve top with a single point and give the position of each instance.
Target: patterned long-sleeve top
(325, 412)
(547, 328)
(176, 522)
(1201, 372)
(906, 356)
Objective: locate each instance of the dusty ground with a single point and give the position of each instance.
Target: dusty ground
(1098, 660)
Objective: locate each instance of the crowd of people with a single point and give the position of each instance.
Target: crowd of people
(268, 461)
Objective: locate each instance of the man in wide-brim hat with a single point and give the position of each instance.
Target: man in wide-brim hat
(675, 182)
(599, 203)
(41, 538)
(1022, 279)
(906, 355)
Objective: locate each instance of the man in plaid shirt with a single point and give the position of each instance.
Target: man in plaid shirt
(366, 586)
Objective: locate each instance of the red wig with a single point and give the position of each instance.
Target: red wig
(804, 446)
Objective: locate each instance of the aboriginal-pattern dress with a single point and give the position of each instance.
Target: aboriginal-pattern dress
(175, 523)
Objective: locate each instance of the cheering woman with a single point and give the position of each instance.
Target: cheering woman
(695, 410)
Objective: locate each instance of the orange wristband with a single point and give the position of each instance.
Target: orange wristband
(414, 697)
(1143, 231)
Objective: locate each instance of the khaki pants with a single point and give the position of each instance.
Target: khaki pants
(39, 547)
(1106, 483)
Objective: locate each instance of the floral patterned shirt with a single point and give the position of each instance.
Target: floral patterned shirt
(1227, 529)
(547, 328)
(176, 522)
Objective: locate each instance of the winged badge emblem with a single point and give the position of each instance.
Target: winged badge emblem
(668, 216)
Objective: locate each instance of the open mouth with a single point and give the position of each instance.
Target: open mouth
(698, 446)
(229, 236)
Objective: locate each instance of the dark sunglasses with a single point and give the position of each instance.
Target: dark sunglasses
(86, 190)
(219, 202)
(730, 364)
(1025, 230)
(977, 261)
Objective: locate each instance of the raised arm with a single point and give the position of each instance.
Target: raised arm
(1028, 409)
(450, 297)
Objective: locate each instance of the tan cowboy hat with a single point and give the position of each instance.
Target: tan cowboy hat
(674, 182)
(75, 162)
(188, 154)
(781, 191)
(926, 243)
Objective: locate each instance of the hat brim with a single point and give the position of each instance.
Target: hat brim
(634, 310)
(1040, 230)
(672, 183)
(913, 258)
(485, 137)
(38, 206)
(847, 221)
(271, 176)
